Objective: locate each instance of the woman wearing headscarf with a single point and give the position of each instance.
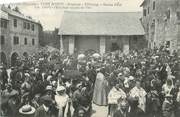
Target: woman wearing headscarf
(61, 99)
(168, 87)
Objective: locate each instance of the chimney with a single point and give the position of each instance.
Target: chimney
(17, 9)
(9, 6)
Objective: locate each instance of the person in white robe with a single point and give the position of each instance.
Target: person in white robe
(139, 93)
(115, 93)
(100, 89)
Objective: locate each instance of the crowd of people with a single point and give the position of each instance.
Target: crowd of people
(143, 83)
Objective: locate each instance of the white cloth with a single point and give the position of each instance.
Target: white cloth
(100, 93)
(141, 94)
(45, 108)
(167, 89)
(178, 97)
(61, 100)
(115, 94)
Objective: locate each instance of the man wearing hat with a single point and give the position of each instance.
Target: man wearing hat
(134, 110)
(43, 110)
(3, 76)
(27, 111)
(76, 98)
(13, 74)
(49, 91)
(8, 100)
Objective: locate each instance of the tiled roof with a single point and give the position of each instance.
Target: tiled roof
(17, 14)
(3, 15)
(101, 23)
(143, 3)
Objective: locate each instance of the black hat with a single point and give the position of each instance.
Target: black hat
(46, 99)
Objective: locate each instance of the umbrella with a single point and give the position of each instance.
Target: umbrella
(96, 55)
(81, 56)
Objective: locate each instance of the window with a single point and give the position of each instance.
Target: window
(168, 43)
(144, 12)
(32, 27)
(158, 21)
(135, 39)
(178, 15)
(16, 40)
(154, 5)
(2, 40)
(15, 22)
(25, 41)
(154, 22)
(168, 14)
(33, 42)
(148, 10)
(114, 46)
(28, 26)
(3, 23)
(24, 25)
(148, 27)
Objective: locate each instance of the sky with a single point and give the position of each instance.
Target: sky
(50, 17)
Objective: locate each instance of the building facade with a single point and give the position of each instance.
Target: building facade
(160, 20)
(19, 35)
(101, 32)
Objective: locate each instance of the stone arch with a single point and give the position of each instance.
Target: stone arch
(3, 58)
(14, 59)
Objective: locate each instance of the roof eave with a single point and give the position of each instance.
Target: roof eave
(142, 34)
(20, 17)
(143, 3)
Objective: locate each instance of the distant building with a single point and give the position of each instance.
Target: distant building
(161, 22)
(19, 35)
(101, 32)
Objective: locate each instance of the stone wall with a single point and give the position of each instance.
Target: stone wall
(137, 42)
(9, 48)
(160, 24)
(87, 43)
(23, 33)
(65, 44)
(6, 47)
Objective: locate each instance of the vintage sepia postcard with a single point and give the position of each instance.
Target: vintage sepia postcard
(90, 58)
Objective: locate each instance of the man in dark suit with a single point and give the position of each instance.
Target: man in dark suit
(43, 110)
(122, 108)
(135, 111)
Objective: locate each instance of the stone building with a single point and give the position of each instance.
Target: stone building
(101, 31)
(19, 35)
(161, 23)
